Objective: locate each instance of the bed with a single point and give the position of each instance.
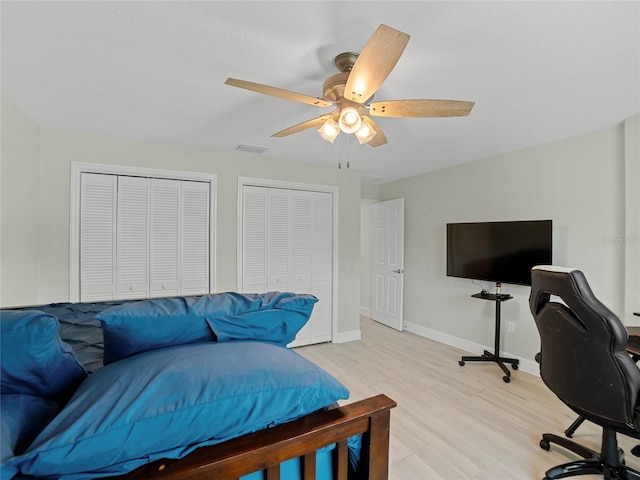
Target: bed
(179, 388)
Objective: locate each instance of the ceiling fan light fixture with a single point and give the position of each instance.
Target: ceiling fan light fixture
(349, 120)
(366, 132)
(329, 130)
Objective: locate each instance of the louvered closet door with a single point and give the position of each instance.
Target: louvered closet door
(321, 264)
(98, 195)
(300, 259)
(143, 237)
(164, 241)
(254, 239)
(132, 257)
(194, 239)
(278, 242)
(311, 260)
(287, 246)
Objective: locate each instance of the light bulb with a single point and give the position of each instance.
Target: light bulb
(350, 120)
(366, 132)
(329, 130)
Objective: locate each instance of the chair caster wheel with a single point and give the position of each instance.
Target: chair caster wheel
(545, 445)
(514, 366)
(461, 363)
(506, 379)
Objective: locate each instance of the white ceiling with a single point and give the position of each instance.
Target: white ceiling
(538, 71)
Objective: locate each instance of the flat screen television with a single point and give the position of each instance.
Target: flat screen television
(501, 252)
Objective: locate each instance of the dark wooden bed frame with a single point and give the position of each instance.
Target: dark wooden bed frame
(267, 449)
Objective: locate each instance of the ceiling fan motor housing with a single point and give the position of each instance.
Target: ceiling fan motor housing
(333, 88)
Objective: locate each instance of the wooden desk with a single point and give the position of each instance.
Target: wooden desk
(633, 346)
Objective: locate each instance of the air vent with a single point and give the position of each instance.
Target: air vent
(371, 179)
(249, 148)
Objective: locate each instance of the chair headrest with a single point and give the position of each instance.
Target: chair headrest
(554, 268)
(567, 283)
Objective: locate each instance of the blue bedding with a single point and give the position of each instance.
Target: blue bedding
(174, 396)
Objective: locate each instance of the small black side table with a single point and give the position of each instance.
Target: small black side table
(494, 357)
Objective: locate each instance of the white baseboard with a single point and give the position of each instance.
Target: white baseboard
(345, 337)
(526, 365)
(365, 311)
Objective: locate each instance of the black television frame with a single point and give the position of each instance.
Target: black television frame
(499, 251)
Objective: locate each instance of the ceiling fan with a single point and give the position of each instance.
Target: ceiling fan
(351, 91)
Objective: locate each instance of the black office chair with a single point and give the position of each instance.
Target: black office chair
(584, 361)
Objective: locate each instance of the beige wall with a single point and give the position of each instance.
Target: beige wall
(35, 205)
(19, 237)
(578, 183)
(631, 237)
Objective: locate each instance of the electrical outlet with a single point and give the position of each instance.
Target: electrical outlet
(511, 327)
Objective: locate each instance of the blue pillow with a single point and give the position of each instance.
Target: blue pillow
(165, 403)
(34, 361)
(277, 319)
(137, 327)
(234, 303)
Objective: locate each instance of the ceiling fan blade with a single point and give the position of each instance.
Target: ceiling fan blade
(374, 63)
(278, 92)
(380, 138)
(421, 108)
(314, 122)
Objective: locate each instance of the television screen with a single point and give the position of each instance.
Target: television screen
(501, 252)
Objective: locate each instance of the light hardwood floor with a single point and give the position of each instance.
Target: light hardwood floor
(455, 422)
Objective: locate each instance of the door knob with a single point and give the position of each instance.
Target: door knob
(398, 271)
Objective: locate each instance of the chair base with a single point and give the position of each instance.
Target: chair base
(635, 451)
(574, 426)
(592, 467)
(594, 463)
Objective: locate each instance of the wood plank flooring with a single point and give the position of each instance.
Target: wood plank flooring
(455, 422)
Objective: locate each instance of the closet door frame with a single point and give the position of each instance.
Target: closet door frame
(333, 190)
(78, 168)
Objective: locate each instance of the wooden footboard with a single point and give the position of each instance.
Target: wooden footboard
(267, 449)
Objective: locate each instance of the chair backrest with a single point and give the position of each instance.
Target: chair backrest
(583, 358)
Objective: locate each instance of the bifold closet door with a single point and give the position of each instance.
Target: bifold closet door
(164, 238)
(132, 254)
(99, 194)
(194, 238)
(278, 239)
(179, 238)
(322, 264)
(287, 245)
(143, 237)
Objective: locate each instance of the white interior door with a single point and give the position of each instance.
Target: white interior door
(388, 262)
